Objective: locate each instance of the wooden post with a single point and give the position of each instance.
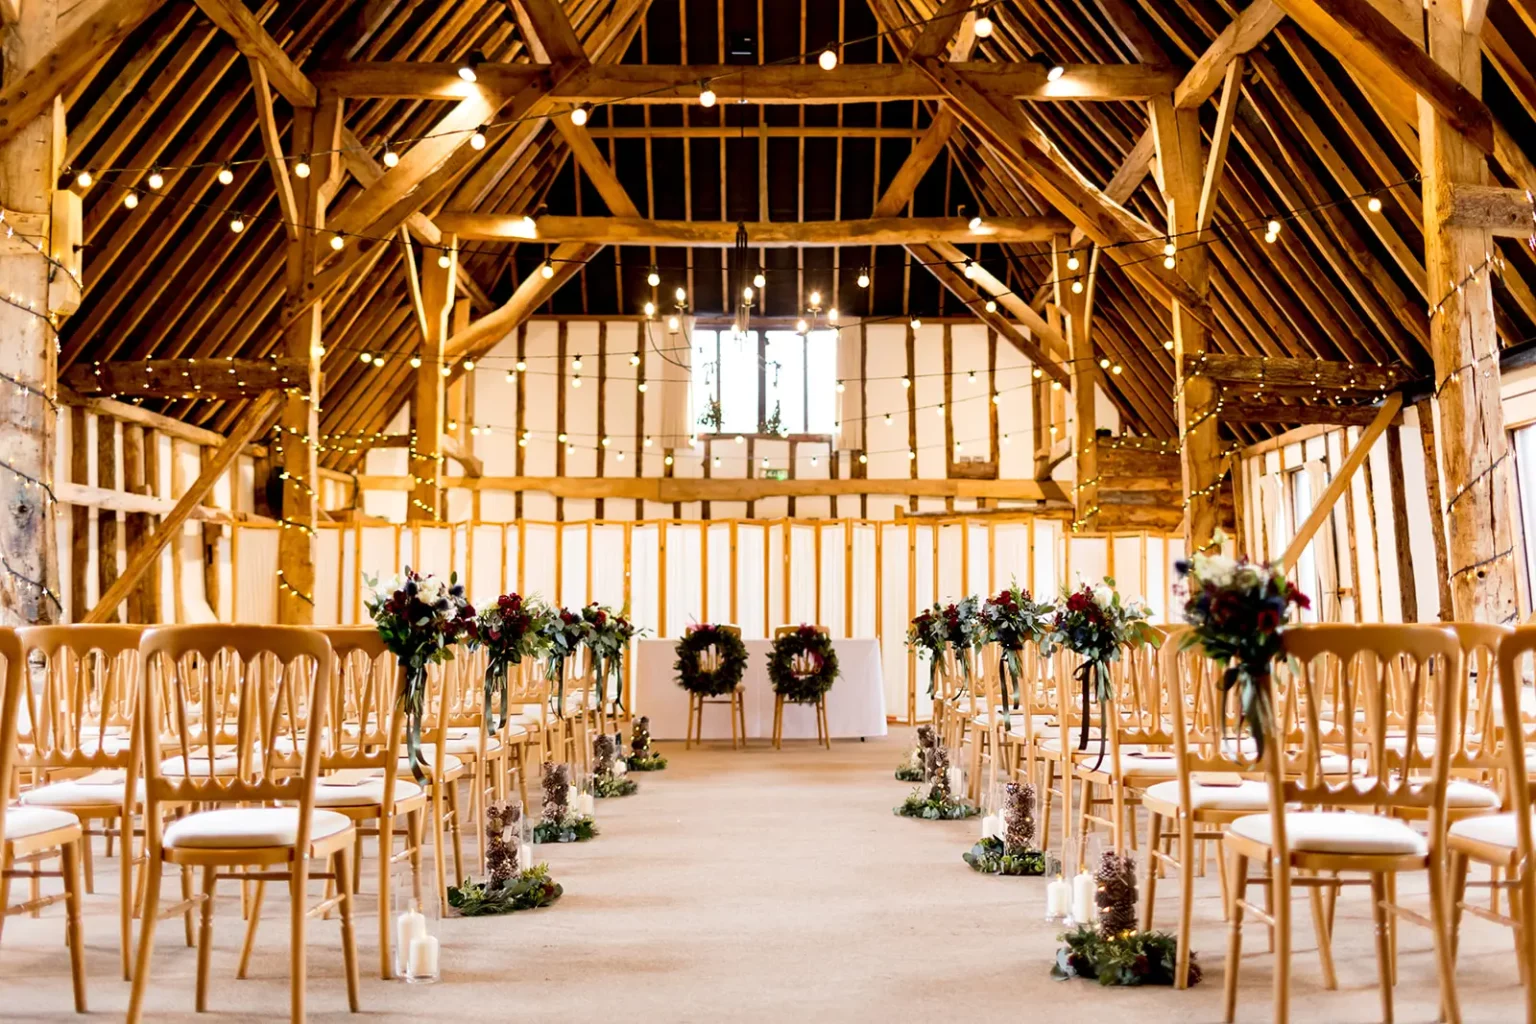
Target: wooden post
(1085, 425)
(135, 524)
(428, 411)
(316, 131)
(1463, 339)
(107, 527)
(211, 534)
(1436, 510)
(1407, 591)
(80, 516)
(1181, 165)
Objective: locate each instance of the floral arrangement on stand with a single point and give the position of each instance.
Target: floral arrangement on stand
(561, 633)
(514, 882)
(728, 670)
(607, 638)
(1011, 619)
(806, 646)
(641, 757)
(562, 822)
(936, 798)
(609, 770)
(957, 626)
(1097, 626)
(421, 618)
(1008, 840)
(509, 630)
(1237, 609)
(1114, 952)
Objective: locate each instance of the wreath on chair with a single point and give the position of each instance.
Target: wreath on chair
(726, 677)
(805, 642)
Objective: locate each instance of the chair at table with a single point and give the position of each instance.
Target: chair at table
(709, 660)
(30, 835)
(79, 741)
(1504, 841)
(802, 664)
(252, 758)
(359, 761)
(1327, 824)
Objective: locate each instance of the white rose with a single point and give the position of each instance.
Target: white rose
(1103, 596)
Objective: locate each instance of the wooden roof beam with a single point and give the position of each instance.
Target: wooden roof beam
(1275, 412)
(634, 230)
(534, 290)
(1274, 372)
(256, 43)
(1508, 212)
(773, 84)
(180, 378)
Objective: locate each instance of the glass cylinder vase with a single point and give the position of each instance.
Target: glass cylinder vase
(416, 918)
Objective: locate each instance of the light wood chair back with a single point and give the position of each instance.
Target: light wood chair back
(1475, 736)
(12, 682)
(247, 706)
(82, 717)
(367, 720)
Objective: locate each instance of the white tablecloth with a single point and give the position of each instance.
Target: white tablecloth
(855, 704)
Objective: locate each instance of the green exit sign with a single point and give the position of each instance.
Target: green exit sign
(774, 474)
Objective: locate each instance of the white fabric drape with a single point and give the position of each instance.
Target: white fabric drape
(850, 406)
(675, 373)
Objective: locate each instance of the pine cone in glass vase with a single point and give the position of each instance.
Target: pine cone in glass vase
(938, 773)
(500, 856)
(602, 754)
(1116, 898)
(557, 780)
(640, 735)
(1019, 816)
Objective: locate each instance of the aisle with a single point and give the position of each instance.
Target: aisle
(757, 886)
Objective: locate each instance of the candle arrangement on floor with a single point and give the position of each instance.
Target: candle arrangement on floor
(514, 881)
(914, 768)
(567, 811)
(609, 770)
(937, 799)
(1007, 844)
(641, 757)
(1113, 951)
(416, 920)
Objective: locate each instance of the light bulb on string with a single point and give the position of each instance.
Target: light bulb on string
(828, 59)
(906, 382)
(991, 306)
(155, 179)
(85, 178)
(444, 260)
(970, 270)
(469, 70)
(477, 140)
(338, 242)
(863, 277)
(226, 175)
(887, 419)
(521, 366)
(301, 168)
(1036, 373)
(1116, 368)
(579, 115)
(653, 279)
(1103, 364)
(576, 381)
(547, 271)
(391, 158)
(131, 200)
(634, 360)
(1073, 262)
(758, 280)
(976, 223)
(366, 357)
(237, 224)
(446, 370)
(982, 26)
(706, 95)
(469, 366)
(576, 363)
(1077, 287)
(971, 377)
(915, 323)
(415, 362)
(841, 387)
(1373, 204)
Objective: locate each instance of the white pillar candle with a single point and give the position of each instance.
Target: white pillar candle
(411, 924)
(422, 962)
(620, 768)
(989, 826)
(571, 795)
(524, 857)
(1058, 898)
(1084, 888)
(587, 804)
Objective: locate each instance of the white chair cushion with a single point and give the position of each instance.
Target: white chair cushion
(196, 766)
(99, 789)
(1495, 829)
(1460, 794)
(1336, 832)
(241, 828)
(1054, 743)
(21, 822)
(1134, 763)
(1248, 795)
(365, 793)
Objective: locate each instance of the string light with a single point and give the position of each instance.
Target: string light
(477, 140)
(444, 260)
(84, 178)
(338, 241)
(759, 281)
(283, 583)
(226, 175)
(706, 95)
(301, 168)
(983, 25)
(915, 323)
(864, 277)
(155, 179)
(579, 115)
(468, 71)
(131, 200)
(390, 157)
(237, 224)
(547, 270)
(828, 59)
(1373, 204)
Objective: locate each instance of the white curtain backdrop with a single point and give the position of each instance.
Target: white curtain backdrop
(675, 373)
(850, 406)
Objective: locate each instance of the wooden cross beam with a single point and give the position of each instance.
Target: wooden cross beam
(772, 84)
(1307, 375)
(635, 230)
(1275, 412)
(250, 423)
(1510, 212)
(189, 378)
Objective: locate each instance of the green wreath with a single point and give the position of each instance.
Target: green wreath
(798, 689)
(733, 661)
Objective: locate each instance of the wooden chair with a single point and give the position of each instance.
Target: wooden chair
(1504, 841)
(801, 666)
(709, 659)
(262, 695)
(80, 744)
(32, 834)
(1322, 824)
(1055, 743)
(361, 781)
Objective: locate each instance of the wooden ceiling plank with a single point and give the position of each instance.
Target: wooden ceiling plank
(256, 43)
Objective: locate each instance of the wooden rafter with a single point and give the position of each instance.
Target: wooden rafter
(638, 231)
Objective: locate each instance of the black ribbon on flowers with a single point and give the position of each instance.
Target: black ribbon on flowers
(495, 683)
(1252, 697)
(1089, 673)
(413, 699)
(554, 671)
(1010, 672)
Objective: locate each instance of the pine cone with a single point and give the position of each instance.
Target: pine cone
(557, 779)
(640, 735)
(1020, 816)
(1117, 894)
(500, 856)
(925, 738)
(602, 755)
(938, 773)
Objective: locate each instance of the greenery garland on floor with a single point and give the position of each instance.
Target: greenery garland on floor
(527, 890)
(991, 856)
(1114, 952)
(731, 665)
(1013, 850)
(938, 803)
(805, 643)
(642, 758)
(561, 823)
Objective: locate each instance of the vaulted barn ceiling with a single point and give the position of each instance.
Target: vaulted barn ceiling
(170, 279)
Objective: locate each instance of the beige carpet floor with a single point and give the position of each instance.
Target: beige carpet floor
(756, 886)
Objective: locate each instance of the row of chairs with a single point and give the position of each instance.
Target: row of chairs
(1393, 749)
(249, 754)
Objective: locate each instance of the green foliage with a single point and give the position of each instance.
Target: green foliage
(1127, 958)
(732, 663)
(991, 856)
(804, 641)
(613, 785)
(567, 830)
(528, 890)
(910, 773)
(646, 762)
(935, 808)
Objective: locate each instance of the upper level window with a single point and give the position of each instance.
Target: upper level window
(769, 382)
